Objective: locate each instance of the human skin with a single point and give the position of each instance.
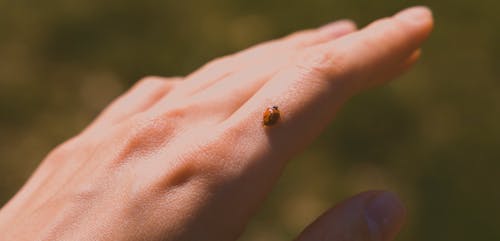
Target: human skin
(189, 158)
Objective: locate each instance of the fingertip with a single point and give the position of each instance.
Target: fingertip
(416, 13)
(420, 16)
(385, 214)
(371, 215)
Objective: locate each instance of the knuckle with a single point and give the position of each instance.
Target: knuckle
(85, 193)
(63, 152)
(176, 113)
(174, 80)
(323, 63)
(149, 128)
(313, 62)
(150, 82)
(396, 25)
(219, 62)
(207, 161)
(143, 135)
(204, 163)
(299, 37)
(180, 172)
(152, 85)
(216, 156)
(381, 23)
(293, 37)
(389, 28)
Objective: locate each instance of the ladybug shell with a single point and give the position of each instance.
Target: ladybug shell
(271, 116)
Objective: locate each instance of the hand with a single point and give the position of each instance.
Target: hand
(189, 158)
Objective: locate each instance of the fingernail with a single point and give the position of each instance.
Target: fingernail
(384, 215)
(417, 13)
(340, 26)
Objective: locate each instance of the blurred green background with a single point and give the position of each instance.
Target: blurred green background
(432, 136)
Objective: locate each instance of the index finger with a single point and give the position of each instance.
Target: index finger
(310, 90)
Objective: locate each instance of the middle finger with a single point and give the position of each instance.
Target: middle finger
(221, 68)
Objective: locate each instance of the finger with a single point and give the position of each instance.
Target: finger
(144, 94)
(310, 91)
(227, 91)
(239, 86)
(360, 58)
(230, 93)
(330, 31)
(222, 67)
(368, 216)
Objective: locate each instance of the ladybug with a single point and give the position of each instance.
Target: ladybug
(271, 116)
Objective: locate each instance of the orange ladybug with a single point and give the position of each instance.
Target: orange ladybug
(271, 116)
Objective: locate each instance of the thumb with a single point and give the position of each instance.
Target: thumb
(369, 216)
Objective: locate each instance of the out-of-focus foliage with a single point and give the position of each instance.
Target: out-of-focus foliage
(433, 136)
